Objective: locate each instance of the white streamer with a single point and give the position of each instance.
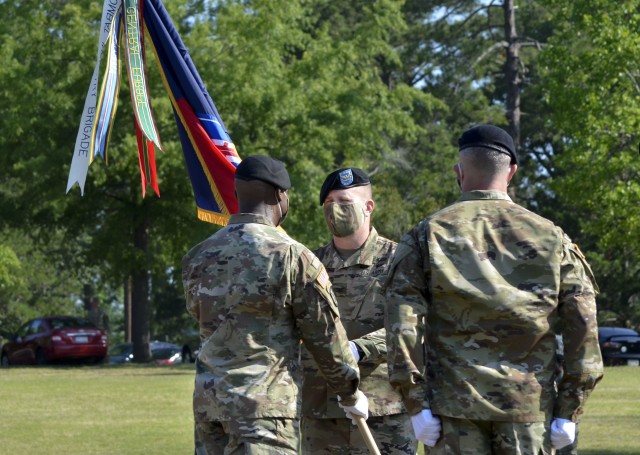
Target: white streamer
(82, 153)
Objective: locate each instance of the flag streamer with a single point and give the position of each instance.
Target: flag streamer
(107, 101)
(137, 74)
(83, 151)
(210, 155)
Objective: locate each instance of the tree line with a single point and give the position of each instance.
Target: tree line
(385, 85)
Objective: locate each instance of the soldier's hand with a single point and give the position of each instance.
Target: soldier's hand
(563, 433)
(361, 408)
(427, 427)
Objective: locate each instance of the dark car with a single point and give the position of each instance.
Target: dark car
(49, 339)
(190, 341)
(162, 353)
(619, 346)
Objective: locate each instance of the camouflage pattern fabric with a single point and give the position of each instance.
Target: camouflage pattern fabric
(356, 284)
(272, 436)
(341, 437)
(475, 437)
(256, 294)
(477, 289)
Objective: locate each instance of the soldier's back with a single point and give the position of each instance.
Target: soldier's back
(495, 276)
(239, 279)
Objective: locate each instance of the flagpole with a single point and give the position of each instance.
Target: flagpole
(366, 434)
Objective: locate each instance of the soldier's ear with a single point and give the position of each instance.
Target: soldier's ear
(280, 194)
(457, 168)
(369, 205)
(512, 171)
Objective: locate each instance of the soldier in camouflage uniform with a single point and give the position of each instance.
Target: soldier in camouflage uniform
(257, 294)
(476, 291)
(357, 260)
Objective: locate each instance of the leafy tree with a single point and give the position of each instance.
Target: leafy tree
(591, 77)
(11, 286)
(34, 280)
(112, 227)
(284, 81)
(301, 81)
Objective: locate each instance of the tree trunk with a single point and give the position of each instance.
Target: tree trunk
(127, 309)
(512, 73)
(88, 293)
(141, 308)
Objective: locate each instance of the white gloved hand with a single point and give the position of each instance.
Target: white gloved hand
(354, 351)
(563, 433)
(427, 427)
(360, 408)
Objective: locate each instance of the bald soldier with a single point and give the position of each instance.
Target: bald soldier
(256, 293)
(478, 289)
(357, 260)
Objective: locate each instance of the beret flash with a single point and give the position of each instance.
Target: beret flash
(342, 179)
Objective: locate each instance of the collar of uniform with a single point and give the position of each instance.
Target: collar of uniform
(483, 194)
(365, 255)
(244, 218)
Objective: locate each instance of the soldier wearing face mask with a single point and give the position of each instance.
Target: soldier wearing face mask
(357, 260)
(256, 294)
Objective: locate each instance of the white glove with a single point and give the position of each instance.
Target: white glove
(563, 433)
(426, 427)
(354, 351)
(360, 408)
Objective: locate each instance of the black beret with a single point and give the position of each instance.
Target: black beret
(347, 177)
(491, 137)
(260, 167)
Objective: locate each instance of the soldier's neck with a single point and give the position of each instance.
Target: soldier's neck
(354, 242)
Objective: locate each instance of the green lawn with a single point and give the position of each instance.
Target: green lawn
(115, 410)
(147, 410)
(611, 423)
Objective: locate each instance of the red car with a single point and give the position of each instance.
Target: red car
(48, 339)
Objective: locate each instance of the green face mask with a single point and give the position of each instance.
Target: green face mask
(344, 219)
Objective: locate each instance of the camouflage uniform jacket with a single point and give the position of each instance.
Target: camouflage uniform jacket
(256, 293)
(484, 282)
(356, 284)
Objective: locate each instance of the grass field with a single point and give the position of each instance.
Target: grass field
(124, 410)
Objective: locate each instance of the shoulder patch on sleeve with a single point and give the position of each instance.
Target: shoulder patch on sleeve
(323, 278)
(573, 248)
(313, 267)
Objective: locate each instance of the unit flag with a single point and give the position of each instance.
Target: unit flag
(209, 153)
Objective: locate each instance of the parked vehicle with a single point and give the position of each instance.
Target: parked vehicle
(619, 346)
(190, 344)
(121, 353)
(166, 353)
(48, 339)
(162, 353)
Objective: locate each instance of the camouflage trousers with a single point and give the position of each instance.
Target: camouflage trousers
(393, 435)
(269, 436)
(473, 437)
